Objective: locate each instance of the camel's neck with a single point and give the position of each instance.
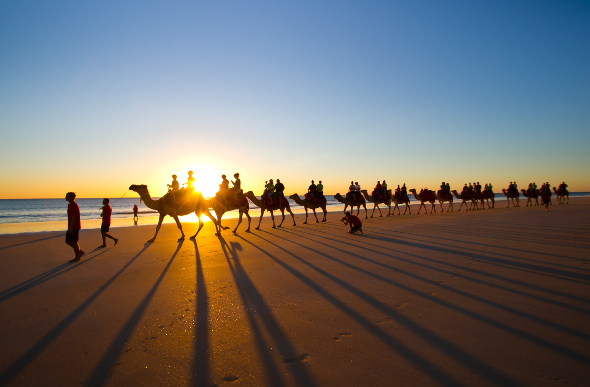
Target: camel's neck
(416, 196)
(366, 195)
(298, 200)
(339, 198)
(148, 201)
(254, 199)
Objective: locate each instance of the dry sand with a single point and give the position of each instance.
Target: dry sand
(495, 297)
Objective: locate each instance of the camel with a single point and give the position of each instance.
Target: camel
(305, 203)
(348, 202)
(464, 199)
(376, 203)
(397, 201)
(260, 203)
(488, 195)
(562, 195)
(510, 196)
(442, 199)
(196, 203)
(531, 195)
(422, 201)
(240, 204)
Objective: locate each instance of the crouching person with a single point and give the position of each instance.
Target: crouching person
(353, 222)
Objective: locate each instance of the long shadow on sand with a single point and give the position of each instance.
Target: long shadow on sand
(200, 367)
(470, 256)
(260, 315)
(34, 241)
(102, 371)
(422, 238)
(26, 358)
(49, 274)
(428, 368)
(474, 315)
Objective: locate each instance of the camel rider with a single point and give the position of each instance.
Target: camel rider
(404, 191)
(357, 190)
(320, 189)
(478, 188)
(223, 188)
(236, 185)
(312, 190)
(379, 189)
(384, 185)
(224, 183)
(534, 185)
(270, 189)
(515, 187)
(465, 189)
(174, 187)
(190, 182)
(443, 188)
(280, 189)
(562, 186)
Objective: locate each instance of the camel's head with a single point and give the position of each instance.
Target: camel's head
(249, 193)
(138, 188)
(294, 196)
(413, 190)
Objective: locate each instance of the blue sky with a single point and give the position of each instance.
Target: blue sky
(97, 96)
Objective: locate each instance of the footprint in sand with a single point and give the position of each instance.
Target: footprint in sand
(301, 358)
(341, 335)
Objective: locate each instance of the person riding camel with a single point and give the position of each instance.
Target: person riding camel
(404, 191)
(378, 190)
(190, 182)
(223, 191)
(173, 188)
(384, 186)
(478, 188)
(236, 185)
(270, 189)
(280, 189)
(357, 191)
(312, 190)
(320, 189)
(465, 190)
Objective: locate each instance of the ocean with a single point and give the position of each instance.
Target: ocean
(35, 215)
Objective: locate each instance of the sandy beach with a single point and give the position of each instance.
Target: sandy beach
(495, 297)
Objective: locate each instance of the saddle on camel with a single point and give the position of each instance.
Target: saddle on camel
(227, 196)
(315, 199)
(427, 195)
(273, 202)
(355, 198)
(179, 197)
(379, 196)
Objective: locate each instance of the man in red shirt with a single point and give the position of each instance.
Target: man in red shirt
(106, 223)
(353, 222)
(73, 226)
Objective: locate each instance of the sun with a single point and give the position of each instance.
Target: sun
(207, 179)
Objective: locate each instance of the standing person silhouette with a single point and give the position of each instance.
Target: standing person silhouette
(106, 223)
(74, 226)
(135, 212)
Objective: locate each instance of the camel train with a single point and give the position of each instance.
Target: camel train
(186, 201)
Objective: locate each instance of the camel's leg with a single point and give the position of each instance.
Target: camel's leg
(200, 226)
(239, 221)
(162, 216)
(325, 213)
(380, 213)
(366, 212)
(433, 208)
(389, 210)
(316, 216)
(272, 216)
(283, 214)
(292, 216)
(179, 227)
(305, 215)
(247, 212)
(374, 206)
(260, 220)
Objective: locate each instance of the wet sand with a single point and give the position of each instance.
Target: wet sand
(494, 297)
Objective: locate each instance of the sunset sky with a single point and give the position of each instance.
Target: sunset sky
(95, 96)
